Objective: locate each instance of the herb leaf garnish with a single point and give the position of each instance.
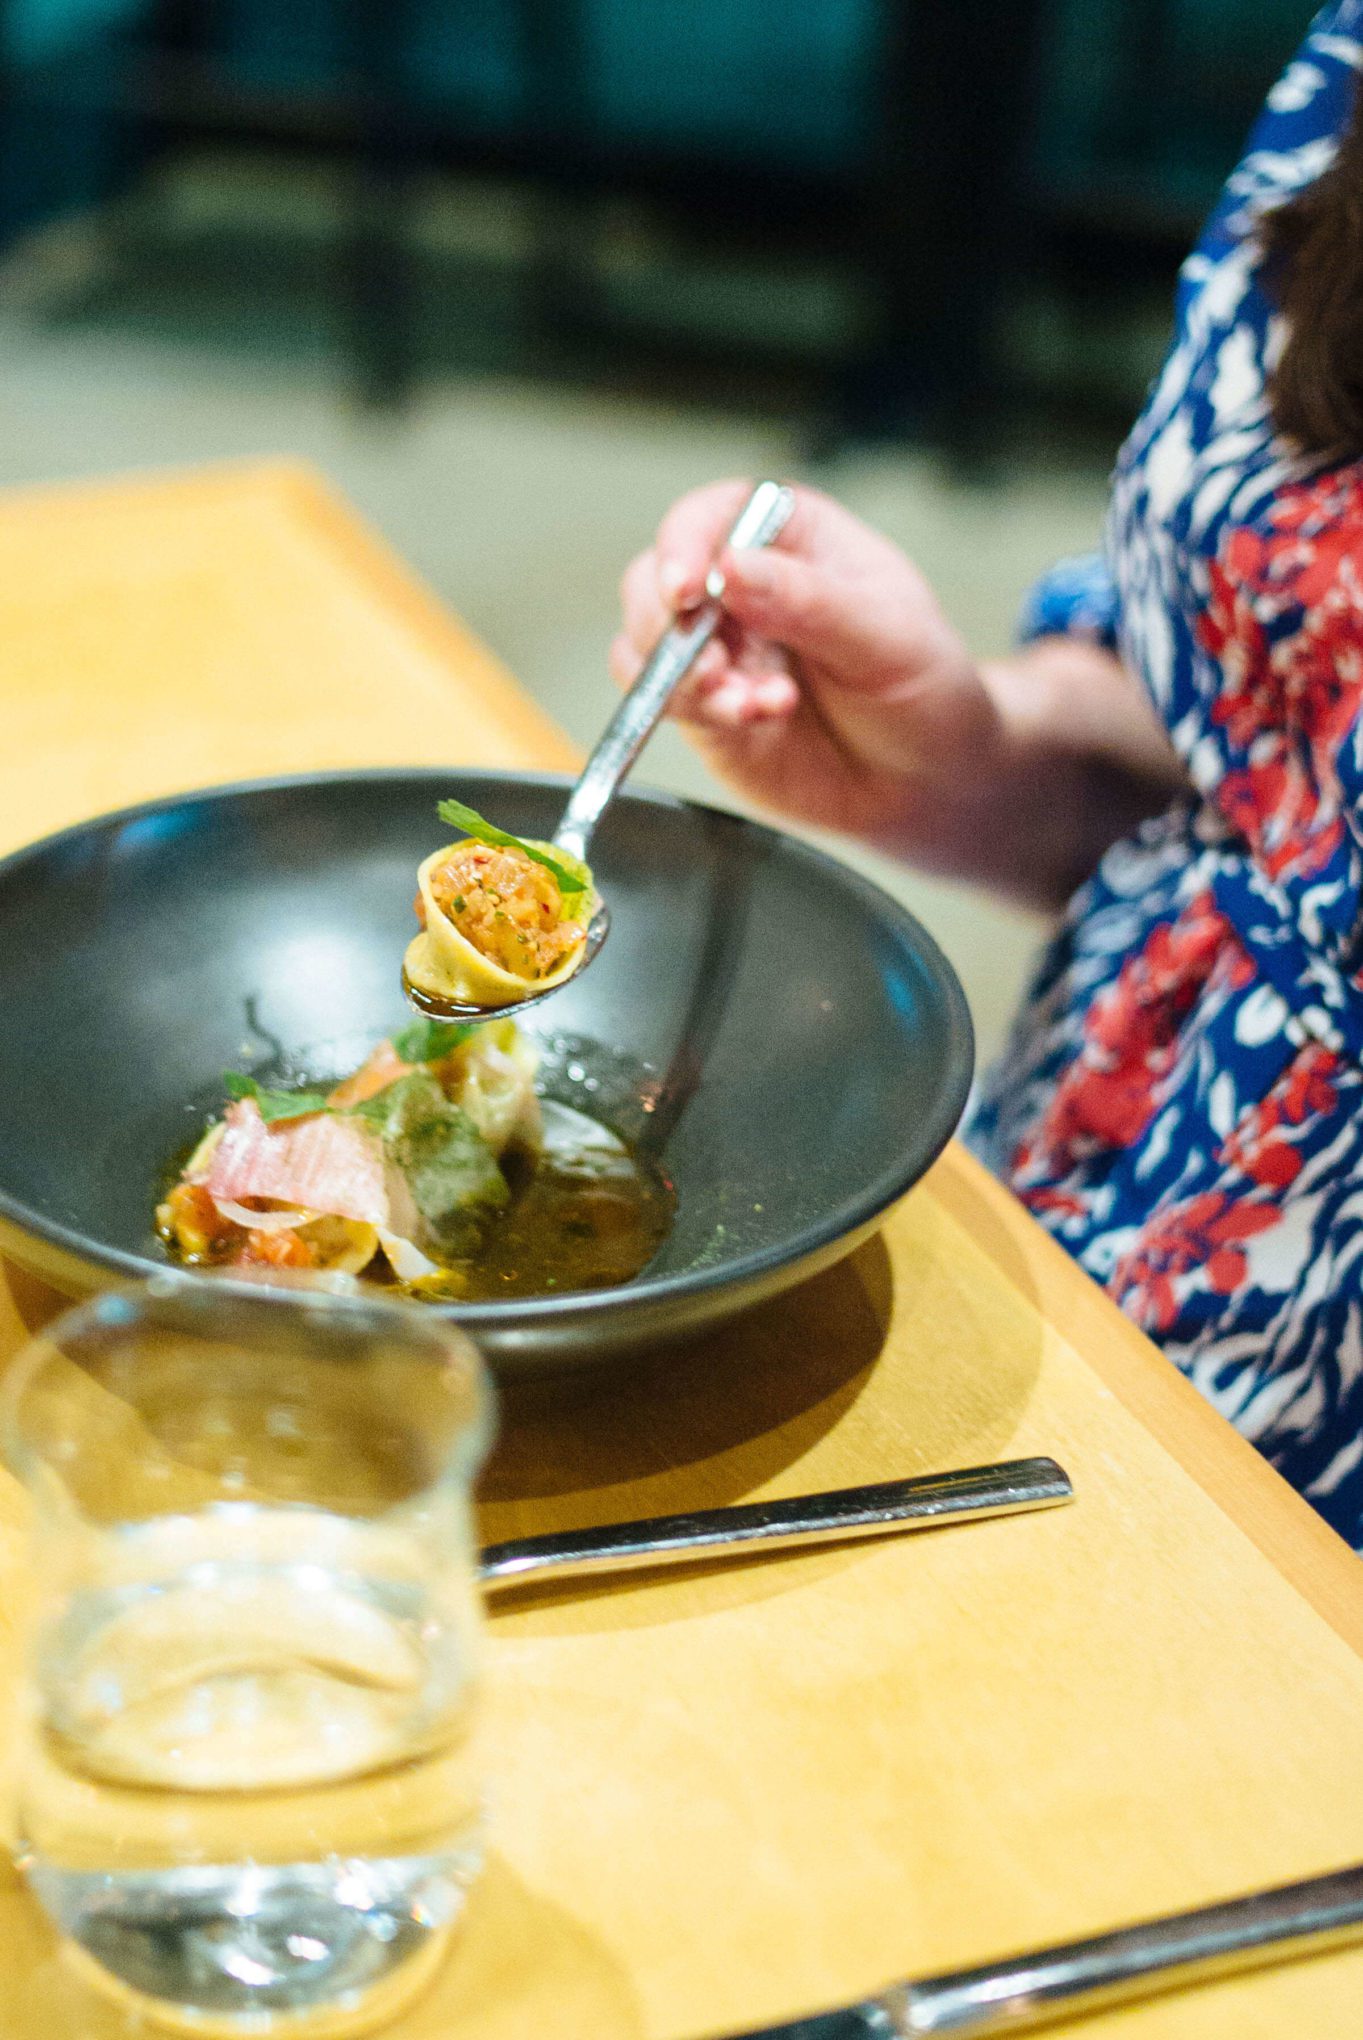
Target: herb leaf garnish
(473, 824)
(425, 1041)
(274, 1105)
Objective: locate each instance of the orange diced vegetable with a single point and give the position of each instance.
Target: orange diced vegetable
(192, 1220)
(382, 1067)
(276, 1250)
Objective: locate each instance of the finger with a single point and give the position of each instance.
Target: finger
(644, 613)
(712, 669)
(690, 537)
(624, 662)
(772, 696)
(734, 700)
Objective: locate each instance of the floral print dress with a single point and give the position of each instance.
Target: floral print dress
(1181, 1103)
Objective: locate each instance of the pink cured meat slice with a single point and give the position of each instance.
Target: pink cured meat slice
(330, 1165)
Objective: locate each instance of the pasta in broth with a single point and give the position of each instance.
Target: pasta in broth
(435, 1168)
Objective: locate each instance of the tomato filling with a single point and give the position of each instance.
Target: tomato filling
(508, 906)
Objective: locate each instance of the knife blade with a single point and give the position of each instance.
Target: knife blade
(785, 1524)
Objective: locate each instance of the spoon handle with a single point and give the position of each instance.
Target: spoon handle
(758, 522)
(782, 1525)
(1312, 1917)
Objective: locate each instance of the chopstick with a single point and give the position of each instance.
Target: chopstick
(789, 1523)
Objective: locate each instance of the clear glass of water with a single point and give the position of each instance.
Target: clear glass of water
(249, 1789)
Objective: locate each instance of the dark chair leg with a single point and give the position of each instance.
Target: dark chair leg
(1145, 36)
(559, 296)
(377, 258)
(947, 214)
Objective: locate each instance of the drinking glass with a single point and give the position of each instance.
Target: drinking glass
(248, 1784)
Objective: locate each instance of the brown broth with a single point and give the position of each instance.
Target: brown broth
(583, 1215)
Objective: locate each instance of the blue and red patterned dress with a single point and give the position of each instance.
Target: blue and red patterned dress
(1181, 1103)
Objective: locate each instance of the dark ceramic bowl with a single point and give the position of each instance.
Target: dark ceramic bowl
(778, 1037)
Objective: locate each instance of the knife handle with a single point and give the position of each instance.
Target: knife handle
(781, 1525)
(1051, 1984)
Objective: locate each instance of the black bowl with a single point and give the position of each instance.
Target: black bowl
(778, 1037)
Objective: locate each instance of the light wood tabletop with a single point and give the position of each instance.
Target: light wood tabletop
(764, 1789)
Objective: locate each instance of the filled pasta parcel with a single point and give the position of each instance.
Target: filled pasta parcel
(502, 916)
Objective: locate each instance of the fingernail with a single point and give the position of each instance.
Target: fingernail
(671, 580)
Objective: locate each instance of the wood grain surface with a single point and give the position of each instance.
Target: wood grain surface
(760, 1789)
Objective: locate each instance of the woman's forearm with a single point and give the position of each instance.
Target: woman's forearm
(1071, 757)
(1083, 759)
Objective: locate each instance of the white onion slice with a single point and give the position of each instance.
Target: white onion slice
(277, 1220)
(358, 1244)
(407, 1262)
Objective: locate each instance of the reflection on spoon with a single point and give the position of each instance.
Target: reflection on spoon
(465, 964)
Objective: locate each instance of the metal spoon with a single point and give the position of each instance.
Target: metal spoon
(786, 1524)
(762, 517)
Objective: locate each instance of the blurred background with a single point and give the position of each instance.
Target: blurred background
(518, 272)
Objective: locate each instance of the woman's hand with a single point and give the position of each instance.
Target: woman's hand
(835, 675)
(837, 693)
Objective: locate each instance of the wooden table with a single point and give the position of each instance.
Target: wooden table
(728, 1799)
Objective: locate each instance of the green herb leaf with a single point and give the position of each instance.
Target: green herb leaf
(426, 1041)
(472, 823)
(274, 1105)
(374, 1111)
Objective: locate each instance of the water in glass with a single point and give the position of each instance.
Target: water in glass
(250, 1785)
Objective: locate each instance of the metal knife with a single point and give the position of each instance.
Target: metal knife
(784, 1525)
(1049, 1985)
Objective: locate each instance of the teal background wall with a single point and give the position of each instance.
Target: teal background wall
(1149, 102)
